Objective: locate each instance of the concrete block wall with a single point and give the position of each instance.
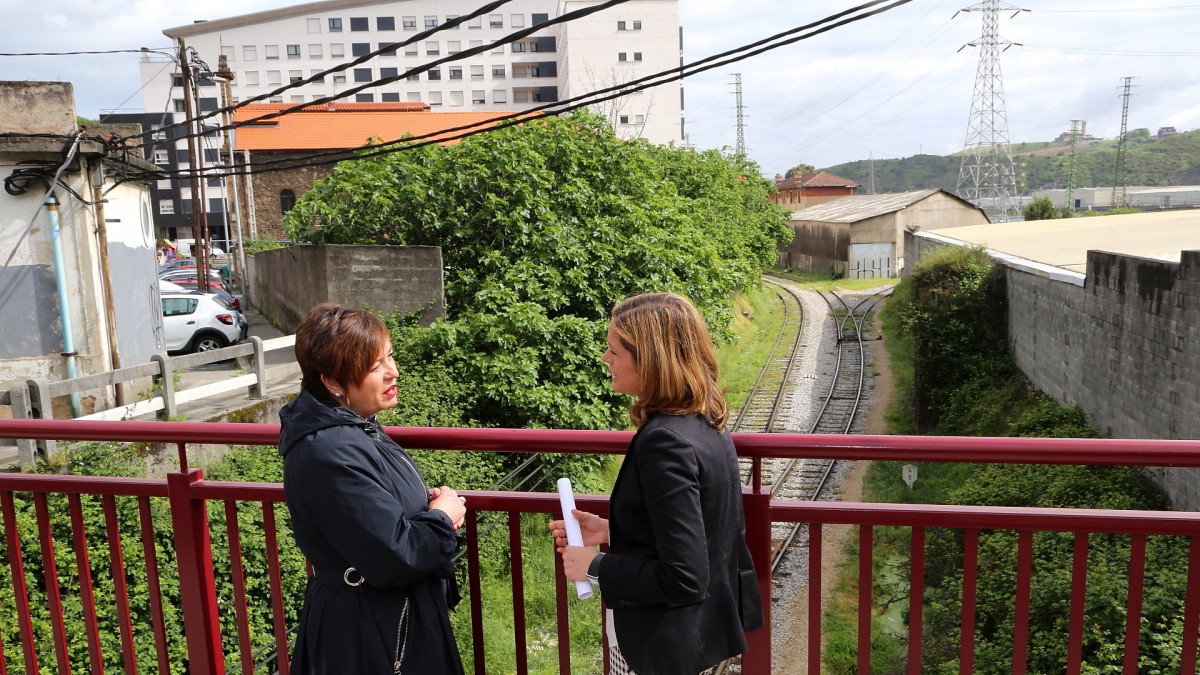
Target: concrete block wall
(290, 281)
(1124, 346)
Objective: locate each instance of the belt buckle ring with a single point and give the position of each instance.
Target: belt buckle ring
(346, 577)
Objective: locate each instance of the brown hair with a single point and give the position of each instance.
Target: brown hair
(674, 354)
(339, 343)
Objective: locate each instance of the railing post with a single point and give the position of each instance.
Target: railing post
(259, 388)
(166, 386)
(43, 408)
(22, 410)
(197, 590)
(757, 508)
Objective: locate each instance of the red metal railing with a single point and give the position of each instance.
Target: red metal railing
(42, 606)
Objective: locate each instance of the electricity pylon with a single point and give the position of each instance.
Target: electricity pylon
(1118, 192)
(987, 177)
(740, 146)
(1069, 207)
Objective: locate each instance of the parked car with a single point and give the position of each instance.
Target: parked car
(189, 273)
(200, 322)
(214, 288)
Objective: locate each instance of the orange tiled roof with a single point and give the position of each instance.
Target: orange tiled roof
(338, 126)
(818, 179)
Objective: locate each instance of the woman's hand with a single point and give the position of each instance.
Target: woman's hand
(447, 501)
(576, 560)
(593, 528)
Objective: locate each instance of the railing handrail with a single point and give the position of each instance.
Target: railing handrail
(1081, 451)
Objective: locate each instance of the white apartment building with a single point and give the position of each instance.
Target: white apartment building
(266, 50)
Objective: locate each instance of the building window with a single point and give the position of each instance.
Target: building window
(435, 98)
(295, 76)
(364, 98)
(273, 77)
(158, 135)
(390, 97)
(359, 23)
(360, 48)
(476, 43)
(314, 51)
(639, 119)
(318, 76)
(453, 46)
(499, 96)
(314, 25)
(498, 49)
(362, 74)
(620, 25)
(293, 51)
(431, 22)
(622, 57)
(456, 98)
(335, 25)
(185, 206)
(271, 51)
(498, 72)
(411, 49)
(228, 52)
(432, 48)
(477, 97)
(518, 47)
(435, 73)
(287, 201)
(624, 119)
(456, 72)
(339, 79)
(637, 56)
(337, 50)
(476, 72)
(414, 77)
(414, 96)
(637, 25)
(166, 207)
(385, 23)
(474, 22)
(162, 156)
(496, 21)
(251, 77)
(452, 17)
(516, 20)
(385, 73)
(249, 53)
(388, 48)
(410, 23)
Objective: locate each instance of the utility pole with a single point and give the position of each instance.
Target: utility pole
(987, 177)
(199, 219)
(740, 146)
(1119, 179)
(1069, 207)
(231, 180)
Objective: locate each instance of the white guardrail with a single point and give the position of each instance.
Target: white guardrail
(33, 399)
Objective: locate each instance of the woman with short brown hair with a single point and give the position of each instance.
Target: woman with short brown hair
(381, 543)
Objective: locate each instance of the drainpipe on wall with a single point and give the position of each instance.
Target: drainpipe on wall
(64, 305)
(110, 314)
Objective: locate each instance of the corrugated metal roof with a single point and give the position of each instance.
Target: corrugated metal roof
(345, 125)
(853, 208)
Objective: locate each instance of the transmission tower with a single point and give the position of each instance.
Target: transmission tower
(871, 180)
(1069, 207)
(1118, 193)
(987, 177)
(740, 146)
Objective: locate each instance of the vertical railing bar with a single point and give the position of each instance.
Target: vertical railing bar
(1133, 616)
(154, 586)
(1021, 606)
(116, 563)
(279, 617)
(562, 617)
(475, 589)
(866, 596)
(966, 649)
(12, 538)
(1191, 610)
(238, 574)
(193, 560)
(814, 597)
(87, 595)
(518, 591)
(916, 600)
(1079, 566)
(50, 573)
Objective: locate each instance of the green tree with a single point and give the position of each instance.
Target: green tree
(799, 169)
(543, 227)
(1041, 209)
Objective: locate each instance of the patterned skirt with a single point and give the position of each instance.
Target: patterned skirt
(617, 665)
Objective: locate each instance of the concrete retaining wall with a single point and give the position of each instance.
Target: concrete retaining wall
(1124, 345)
(288, 282)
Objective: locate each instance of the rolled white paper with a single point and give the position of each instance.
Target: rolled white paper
(566, 498)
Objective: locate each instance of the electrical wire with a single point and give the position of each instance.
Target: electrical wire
(560, 107)
(42, 203)
(111, 51)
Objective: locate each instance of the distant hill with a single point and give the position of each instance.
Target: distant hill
(1173, 160)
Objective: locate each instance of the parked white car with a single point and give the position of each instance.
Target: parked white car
(199, 322)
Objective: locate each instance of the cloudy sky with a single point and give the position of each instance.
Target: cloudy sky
(893, 85)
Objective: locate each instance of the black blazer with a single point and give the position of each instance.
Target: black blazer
(676, 533)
